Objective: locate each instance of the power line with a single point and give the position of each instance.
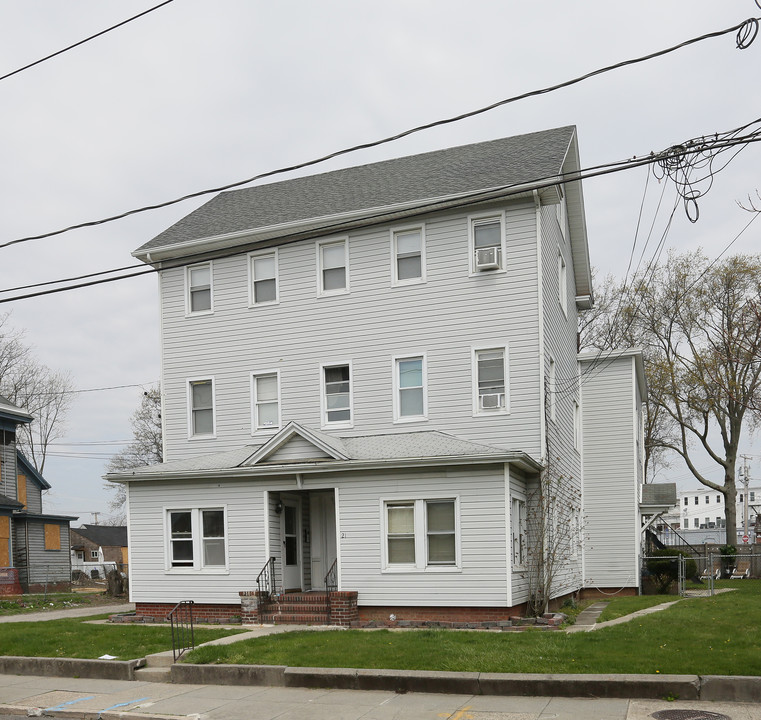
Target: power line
(746, 33)
(82, 42)
(75, 277)
(691, 147)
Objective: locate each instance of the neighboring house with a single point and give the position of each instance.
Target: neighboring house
(34, 546)
(701, 510)
(365, 374)
(99, 548)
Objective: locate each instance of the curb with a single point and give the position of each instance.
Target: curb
(70, 667)
(83, 715)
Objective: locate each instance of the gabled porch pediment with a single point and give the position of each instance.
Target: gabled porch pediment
(294, 444)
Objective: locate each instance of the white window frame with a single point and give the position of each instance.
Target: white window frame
(394, 233)
(562, 282)
(321, 291)
(196, 525)
(325, 423)
(252, 257)
(191, 430)
(481, 218)
(189, 312)
(255, 428)
(518, 531)
(94, 555)
(474, 352)
(421, 535)
(398, 417)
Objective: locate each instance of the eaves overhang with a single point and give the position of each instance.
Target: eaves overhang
(283, 233)
(314, 467)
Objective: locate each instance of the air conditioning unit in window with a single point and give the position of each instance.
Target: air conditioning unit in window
(491, 401)
(487, 258)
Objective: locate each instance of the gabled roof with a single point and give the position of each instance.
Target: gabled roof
(104, 535)
(274, 213)
(31, 472)
(13, 412)
(316, 451)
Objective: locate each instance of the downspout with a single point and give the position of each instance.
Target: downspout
(540, 321)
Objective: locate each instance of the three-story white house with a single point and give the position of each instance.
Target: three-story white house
(364, 374)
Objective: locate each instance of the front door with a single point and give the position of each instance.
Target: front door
(322, 515)
(290, 533)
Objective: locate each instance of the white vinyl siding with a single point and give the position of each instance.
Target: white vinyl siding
(199, 290)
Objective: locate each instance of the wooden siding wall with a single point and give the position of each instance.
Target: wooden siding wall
(43, 565)
(481, 581)
(8, 464)
(560, 341)
(610, 474)
(443, 318)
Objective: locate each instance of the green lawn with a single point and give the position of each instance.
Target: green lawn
(719, 635)
(51, 601)
(75, 638)
(627, 605)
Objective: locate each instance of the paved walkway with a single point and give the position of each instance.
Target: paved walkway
(132, 700)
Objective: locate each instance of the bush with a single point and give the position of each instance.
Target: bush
(728, 559)
(663, 567)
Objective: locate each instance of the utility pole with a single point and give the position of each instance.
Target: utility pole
(95, 515)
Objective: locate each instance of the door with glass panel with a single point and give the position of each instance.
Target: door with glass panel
(290, 534)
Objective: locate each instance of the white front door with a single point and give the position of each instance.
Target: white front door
(290, 534)
(322, 516)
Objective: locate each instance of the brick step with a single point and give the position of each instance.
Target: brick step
(293, 607)
(318, 598)
(313, 618)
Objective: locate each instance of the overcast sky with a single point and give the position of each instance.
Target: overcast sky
(199, 94)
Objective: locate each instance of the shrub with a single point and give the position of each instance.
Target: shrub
(664, 568)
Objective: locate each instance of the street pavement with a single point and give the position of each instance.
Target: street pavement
(113, 699)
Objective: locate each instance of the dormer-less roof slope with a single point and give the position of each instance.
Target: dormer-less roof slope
(10, 411)
(104, 535)
(380, 192)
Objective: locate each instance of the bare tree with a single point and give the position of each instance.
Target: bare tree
(43, 393)
(699, 323)
(146, 447)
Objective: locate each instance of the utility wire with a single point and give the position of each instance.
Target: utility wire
(746, 33)
(75, 277)
(688, 148)
(82, 42)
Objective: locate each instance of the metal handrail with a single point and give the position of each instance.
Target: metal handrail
(331, 585)
(181, 619)
(682, 538)
(265, 581)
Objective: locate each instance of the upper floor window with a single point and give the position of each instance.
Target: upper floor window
(410, 401)
(337, 395)
(718, 499)
(562, 282)
(686, 500)
(264, 280)
(697, 499)
(265, 390)
(408, 252)
(333, 267)
(491, 381)
(198, 281)
(487, 243)
(708, 499)
(201, 407)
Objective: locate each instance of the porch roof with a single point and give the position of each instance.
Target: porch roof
(334, 454)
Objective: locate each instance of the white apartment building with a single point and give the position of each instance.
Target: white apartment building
(704, 510)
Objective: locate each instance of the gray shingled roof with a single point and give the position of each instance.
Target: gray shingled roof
(9, 503)
(8, 408)
(104, 535)
(468, 168)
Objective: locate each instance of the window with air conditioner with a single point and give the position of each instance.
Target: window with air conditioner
(487, 243)
(490, 380)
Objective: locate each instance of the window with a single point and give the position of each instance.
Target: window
(21, 489)
(696, 522)
(686, 501)
(408, 253)
(265, 400)
(696, 499)
(337, 395)
(562, 282)
(487, 243)
(708, 499)
(718, 499)
(93, 554)
(518, 531)
(332, 267)
(409, 397)
(752, 496)
(52, 537)
(198, 283)
(201, 397)
(421, 534)
(264, 284)
(490, 381)
(741, 497)
(197, 538)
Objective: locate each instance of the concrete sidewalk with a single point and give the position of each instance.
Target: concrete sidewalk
(131, 700)
(68, 613)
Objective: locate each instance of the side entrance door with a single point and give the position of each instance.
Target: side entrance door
(290, 534)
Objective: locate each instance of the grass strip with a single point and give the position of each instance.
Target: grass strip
(717, 636)
(75, 638)
(619, 607)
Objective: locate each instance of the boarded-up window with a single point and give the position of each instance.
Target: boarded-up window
(5, 541)
(21, 489)
(52, 537)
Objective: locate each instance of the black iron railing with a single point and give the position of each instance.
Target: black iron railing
(331, 585)
(181, 619)
(265, 581)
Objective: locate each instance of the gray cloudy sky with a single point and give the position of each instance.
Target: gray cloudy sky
(198, 94)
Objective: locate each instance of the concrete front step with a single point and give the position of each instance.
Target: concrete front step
(154, 674)
(302, 618)
(160, 660)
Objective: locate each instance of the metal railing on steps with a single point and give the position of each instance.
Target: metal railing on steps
(181, 619)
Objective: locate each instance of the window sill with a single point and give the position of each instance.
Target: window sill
(265, 432)
(432, 570)
(264, 304)
(487, 273)
(210, 436)
(337, 426)
(482, 414)
(408, 283)
(407, 420)
(200, 313)
(333, 293)
(197, 571)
